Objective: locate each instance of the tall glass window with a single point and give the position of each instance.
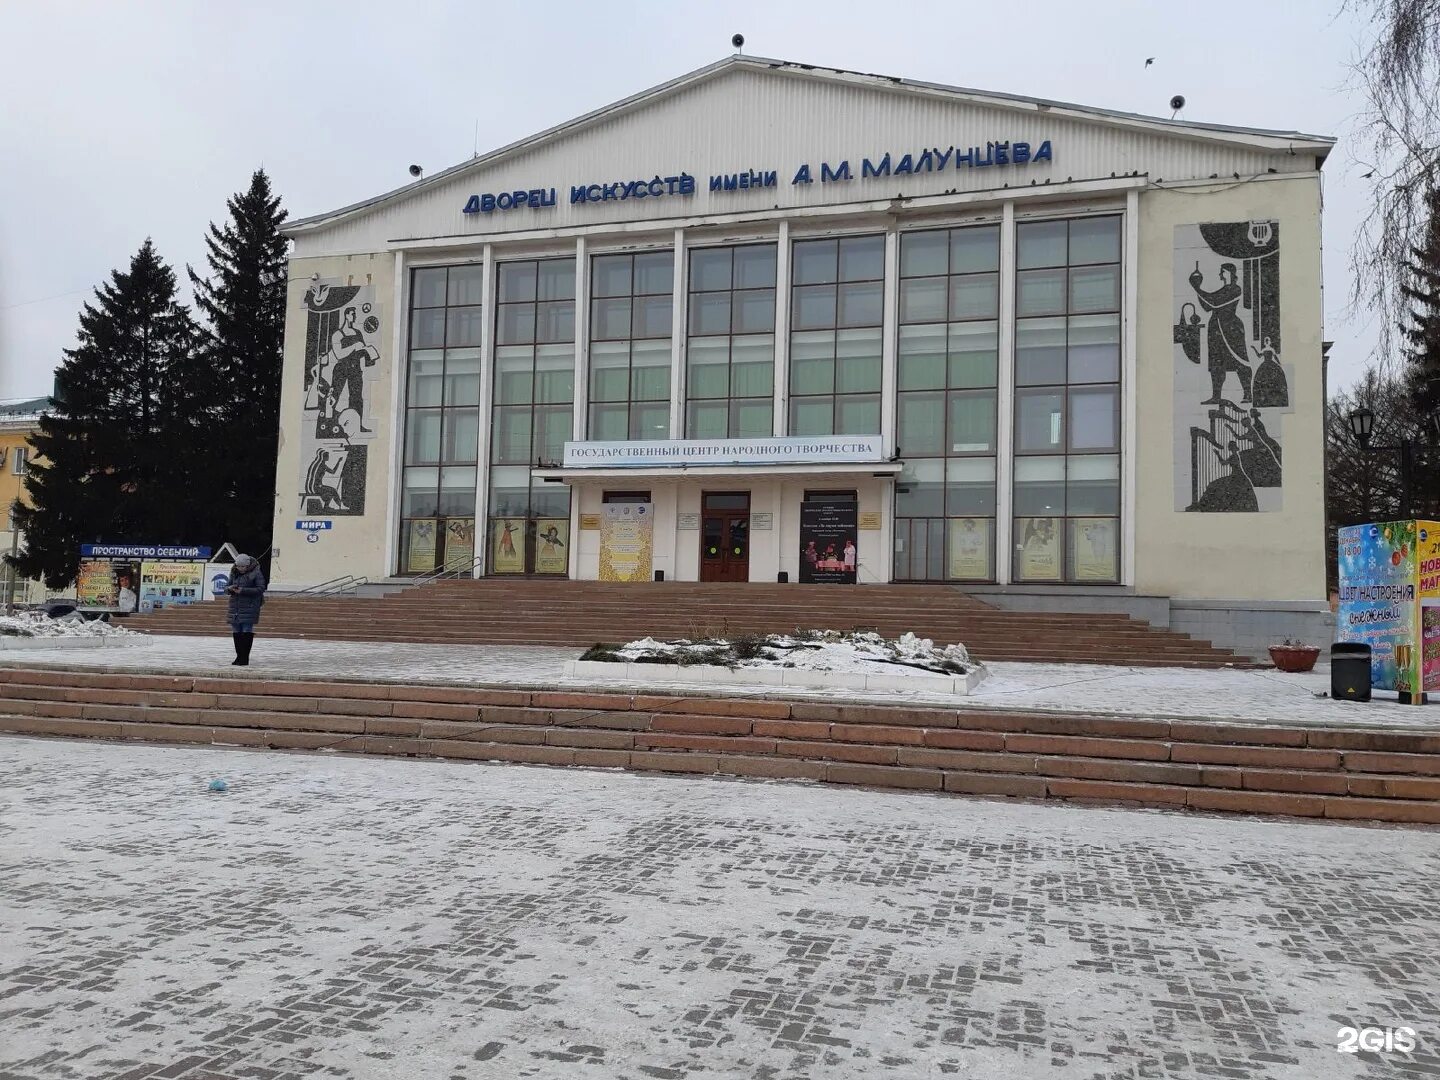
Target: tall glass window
(442, 419)
(630, 316)
(530, 419)
(837, 308)
(730, 343)
(1067, 400)
(946, 379)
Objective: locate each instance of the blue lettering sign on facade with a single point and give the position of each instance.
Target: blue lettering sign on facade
(144, 551)
(926, 160)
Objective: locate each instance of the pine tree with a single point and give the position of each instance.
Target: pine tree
(1421, 338)
(111, 450)
(243, 304)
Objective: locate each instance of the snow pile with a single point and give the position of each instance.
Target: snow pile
(31, 624)
(860, 653)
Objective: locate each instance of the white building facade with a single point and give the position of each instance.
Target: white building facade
(775, 322)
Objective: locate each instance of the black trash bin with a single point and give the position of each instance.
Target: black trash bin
(1350, 671)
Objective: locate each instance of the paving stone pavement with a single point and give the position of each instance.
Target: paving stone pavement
(333, 916)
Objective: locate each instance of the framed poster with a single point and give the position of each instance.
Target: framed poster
(167, 583)
(507, 546)
(627, 542)
(552, 546)
(970, 546)
(420, 552)
(1093, 548)
(1037, 549)
(459, 544)
(95, 585)
(828, 535)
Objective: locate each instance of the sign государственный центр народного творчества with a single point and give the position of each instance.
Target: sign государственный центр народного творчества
(779, 450)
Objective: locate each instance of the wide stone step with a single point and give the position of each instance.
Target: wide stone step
(1208, 765)
(581, 613)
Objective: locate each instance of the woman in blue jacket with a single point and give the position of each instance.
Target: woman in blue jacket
(247, 594)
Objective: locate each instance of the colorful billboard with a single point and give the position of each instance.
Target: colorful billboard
(1388, 572)
(166, 583)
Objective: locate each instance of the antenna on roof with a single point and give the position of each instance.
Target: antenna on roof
(739, 42)
(1177, 103)
(476, 151)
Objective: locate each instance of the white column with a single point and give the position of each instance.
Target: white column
(579, 425)
(890, 348)
(490, 292)
(681, 283)
(1129, 316)
(582, 345)
(1005, 403)
(780, 422)
(399, 372)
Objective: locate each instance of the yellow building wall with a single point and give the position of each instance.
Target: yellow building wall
(320, 291)
(1277, 553)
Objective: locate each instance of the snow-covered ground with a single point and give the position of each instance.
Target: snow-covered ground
(332, 916)
(28, 624)
(827, 651)
(1229, 694)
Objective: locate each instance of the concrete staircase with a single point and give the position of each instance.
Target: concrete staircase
(581, 613)
(1198, 765)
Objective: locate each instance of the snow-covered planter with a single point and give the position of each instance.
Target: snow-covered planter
(816, 658)
(32, 630)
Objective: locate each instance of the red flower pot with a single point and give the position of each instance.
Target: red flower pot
(1294, 657)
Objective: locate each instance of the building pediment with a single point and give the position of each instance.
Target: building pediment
(751, 135)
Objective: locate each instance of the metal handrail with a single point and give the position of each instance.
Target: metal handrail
(449, 571)
(351, 585)
(323, 587)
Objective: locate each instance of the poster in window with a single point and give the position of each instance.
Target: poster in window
(507, 546)
(970, 549)
(1038, 544)
(460, 544)
(552, 546)
(165, 583)
(1093, 549)
(627, 542)
(828, 541)
(420, 554)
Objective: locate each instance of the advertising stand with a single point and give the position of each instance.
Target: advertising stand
(1390, 600)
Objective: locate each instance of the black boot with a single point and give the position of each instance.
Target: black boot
(246, 641)
(240, 650)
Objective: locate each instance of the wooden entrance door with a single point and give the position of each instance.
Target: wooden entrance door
(725, 536)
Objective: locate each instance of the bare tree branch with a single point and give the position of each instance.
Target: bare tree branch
(1398, 78)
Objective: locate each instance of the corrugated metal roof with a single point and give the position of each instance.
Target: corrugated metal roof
(1252, 138)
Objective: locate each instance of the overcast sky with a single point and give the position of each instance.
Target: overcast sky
(122, 120)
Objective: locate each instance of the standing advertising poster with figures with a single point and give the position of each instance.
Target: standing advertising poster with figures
(420, 547)
(1383, 587)
(459, 543)
(1232, 386)
(507, 546)
(627, 542)
(829, 530)
(342, 355)
(970, 549)
(552, 545)
(108, 585)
